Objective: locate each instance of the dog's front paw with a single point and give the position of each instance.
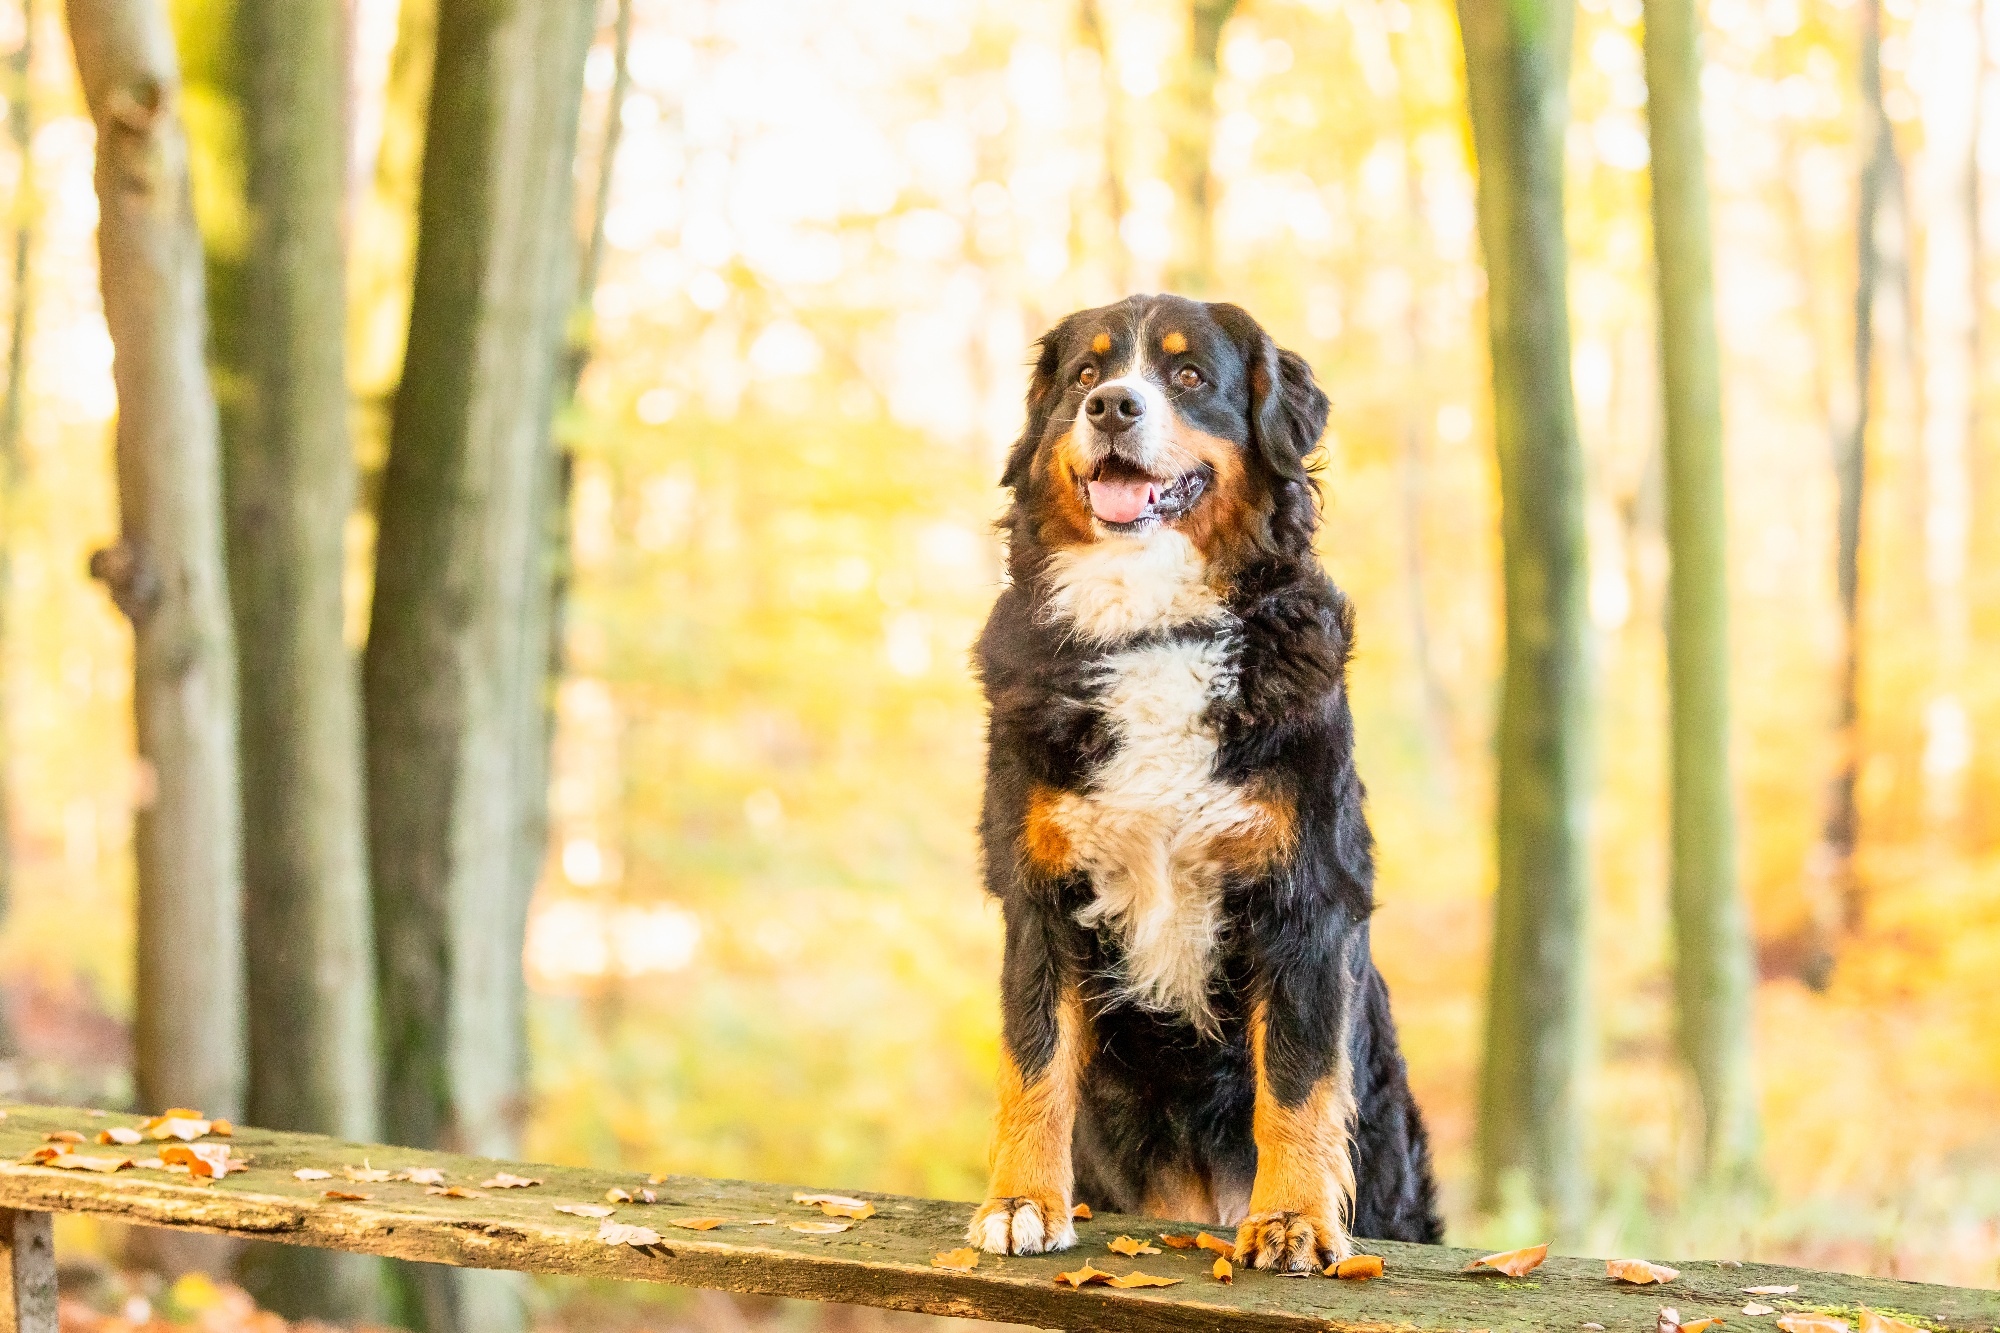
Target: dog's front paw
(1024, 1224)
(1291, 1242)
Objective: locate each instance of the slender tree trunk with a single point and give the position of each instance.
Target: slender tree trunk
(1946, 51)
(166, 571)
(289, 487)
(20, 125)
(1517, 55)
(457, 663)
(1190, 141)
(1090, 23)
(1714, 972)
(1835, 887)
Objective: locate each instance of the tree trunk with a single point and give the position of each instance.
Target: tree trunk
(280, 318)
(456, 670)
(1530, 1118)
(166, 571)
(1091, 27)
(1946, 53)
(20, 124)
(1190, 141)
(1714, 972)
(1833, 884)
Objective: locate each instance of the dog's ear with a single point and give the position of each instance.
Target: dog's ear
(1042, 395)
(1288, 409)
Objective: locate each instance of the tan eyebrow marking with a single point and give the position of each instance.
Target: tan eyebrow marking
(1101, 343)
(1174, 343)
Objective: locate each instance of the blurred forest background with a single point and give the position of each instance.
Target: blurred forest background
(814, 240)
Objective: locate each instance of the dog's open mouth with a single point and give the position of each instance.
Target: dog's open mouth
(1122, 495)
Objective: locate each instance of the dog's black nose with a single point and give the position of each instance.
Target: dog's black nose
(1113, 407)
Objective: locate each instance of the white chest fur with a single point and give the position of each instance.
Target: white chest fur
(1149, 830)
(1121, 585)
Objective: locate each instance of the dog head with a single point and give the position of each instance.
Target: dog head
(1161, 412)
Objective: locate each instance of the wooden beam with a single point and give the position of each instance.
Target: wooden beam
(884, 1260)
(27, 1272)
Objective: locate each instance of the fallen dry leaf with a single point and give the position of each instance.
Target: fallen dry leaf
(698, 1223)
(814, 1200)
(623, 1233)
(1514, 1263)
(1758, 1308)
(120, 1135)
(222, 1129)
(1872, 1322)
(42, 1155)
(1638, 1272)
(177, 1124)
(311, 1173)
(1799, 1322)
(1083, 1276)
(842, 1210)
(453, 1192)
(1669, 1320)
(150, 1164)
(366, 1174)
(1770, 1291)
(584, 1209)
(346, 1196)
(761, 1222)
(616, 1196)
(1697, 1325)
(63, 1136)
(1127, 1246)
(503, 1181)
(958, 1261)
(819, 1228)
(660, 1179)
(70, 1161)
(1223, 1273)
(1595, 1327)
(1357, 1269)
(1081, 1212)
(203, 1160)
(1131, 1280)
(421, 1175)
(1178, 1240)
(1227, 1249)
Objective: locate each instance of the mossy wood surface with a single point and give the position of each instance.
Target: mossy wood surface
(884, 1260)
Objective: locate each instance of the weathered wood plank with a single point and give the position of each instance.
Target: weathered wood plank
(884, 1260)
(27, 1272)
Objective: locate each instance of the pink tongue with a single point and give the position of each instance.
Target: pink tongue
(1120, 501)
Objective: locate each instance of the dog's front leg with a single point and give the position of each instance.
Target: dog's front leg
(1303, 1194)
(1027, 1209)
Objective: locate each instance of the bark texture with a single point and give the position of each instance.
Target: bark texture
(456, 671)
(1190, 143)
(885, 1260)
(280, 313)
(1517, 55)
(166, 571)
(1715, 979)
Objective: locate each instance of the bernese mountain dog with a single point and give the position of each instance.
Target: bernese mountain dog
(1192, 1024)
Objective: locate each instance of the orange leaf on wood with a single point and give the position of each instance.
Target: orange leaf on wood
(77, 1162)
(819, 1228)
(503, 1181)
(422, 1175)
(621, 1233)
(453, 1192)
(1223, 1273)
(698, 1223)
(958, 1261)
(347, 1196)
(584, 1209)
(1081, 1212)
(1800, 1322)
(1178, 1240)
(1127, 1246)
(1514, 1263)
(1131, 1280)
(1871, 1322)
(1697, 1325)
(63, 1136)
(1638, 1272)
(1227, 1249)
(1758, 1308)
(1083, 1276)
(1359, 1268)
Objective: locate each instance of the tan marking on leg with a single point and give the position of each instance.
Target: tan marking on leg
(1044, 839)
(1174, 343)
(1304, 1190)
(1101, 343)
(1180, 1195)
(1027, 1206)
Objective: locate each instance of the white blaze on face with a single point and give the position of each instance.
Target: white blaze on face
(1146, 443)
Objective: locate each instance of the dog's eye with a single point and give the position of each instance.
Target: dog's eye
(1086, 377)
(1188, 378)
